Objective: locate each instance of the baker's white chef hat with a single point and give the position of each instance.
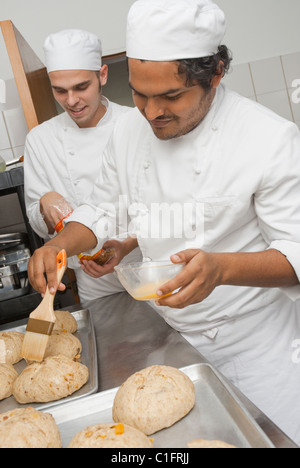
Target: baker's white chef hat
(73, 49)
(165, 30)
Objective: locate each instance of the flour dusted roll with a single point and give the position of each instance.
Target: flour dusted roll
(110, 436)
(28, 428)
(54, 378)
(10, 347)
(63, 343)
(8, 375)
(65, 321)
(154, 398)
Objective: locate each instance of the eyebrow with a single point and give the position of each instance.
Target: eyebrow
(78, 85)
(169, 91)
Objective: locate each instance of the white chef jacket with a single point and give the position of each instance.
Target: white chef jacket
(61, 157)
(240, 167)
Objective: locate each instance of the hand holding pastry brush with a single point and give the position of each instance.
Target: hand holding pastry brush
(41, 320)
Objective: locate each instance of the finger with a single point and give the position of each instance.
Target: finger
(50, 269)
(36, 276)
(184, 297)
(96, 271)
(89, 268)
(178, 282)
(184, 256)
(61, 287)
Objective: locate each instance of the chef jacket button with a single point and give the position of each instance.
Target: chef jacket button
(72, 153)
(146, 165)
(214, 128)
(198, 171)
(65, 129)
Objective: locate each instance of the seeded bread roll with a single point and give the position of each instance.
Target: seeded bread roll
(63, 343)
(10, 347)
(28, 428)
(110, 436)
(154, 398)
(65, 321)
(54, 378)
(209, 444)
(8, 375)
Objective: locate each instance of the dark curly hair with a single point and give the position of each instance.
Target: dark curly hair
(204, 69)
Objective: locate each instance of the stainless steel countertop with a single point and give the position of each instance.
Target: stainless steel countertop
(131, 335)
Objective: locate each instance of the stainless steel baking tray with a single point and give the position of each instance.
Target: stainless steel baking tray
(217, 415)
(86, 334)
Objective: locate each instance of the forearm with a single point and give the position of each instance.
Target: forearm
(268, 269)
(74, 238)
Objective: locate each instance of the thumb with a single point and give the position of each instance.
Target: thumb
(184, 256)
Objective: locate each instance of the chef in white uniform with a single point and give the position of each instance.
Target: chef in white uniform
(234, 168)
(63, 155)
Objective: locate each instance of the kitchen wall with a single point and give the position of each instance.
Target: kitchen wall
(263, 35)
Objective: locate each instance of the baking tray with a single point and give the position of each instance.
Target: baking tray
(86, 334)
(217, 415)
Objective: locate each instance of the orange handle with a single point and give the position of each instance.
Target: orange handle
(61, 259)
(61, 264)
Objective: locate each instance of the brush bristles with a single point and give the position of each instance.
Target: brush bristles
(34, 346)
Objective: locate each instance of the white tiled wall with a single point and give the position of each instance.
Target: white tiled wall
(13, 127)
(270, 82)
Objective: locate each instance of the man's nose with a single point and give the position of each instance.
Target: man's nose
(72, 99)
(153, 109)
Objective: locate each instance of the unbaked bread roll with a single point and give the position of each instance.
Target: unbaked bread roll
(28, 428)
(110, 436)
(65, 321)
(209, 444)
(154, 398)
(10, 347)
(8, 375)
(54, 378)
(63, 343)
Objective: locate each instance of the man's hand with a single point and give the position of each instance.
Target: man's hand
(54, 208)
(195, 282)
(74, 238)
(122, 248)
(44, 261)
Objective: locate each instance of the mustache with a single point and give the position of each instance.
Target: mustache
(164, 117)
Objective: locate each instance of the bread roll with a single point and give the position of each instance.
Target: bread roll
(28, 428)
(54, 378)
(154, 398)
(209, 444)
(110, 436)
(63, 343)
(65, 321)
(10, 347)
(8, 375)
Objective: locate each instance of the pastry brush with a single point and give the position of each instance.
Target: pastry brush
(41, 320)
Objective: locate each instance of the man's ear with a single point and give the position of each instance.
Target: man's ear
(218, 77)
(103, 75)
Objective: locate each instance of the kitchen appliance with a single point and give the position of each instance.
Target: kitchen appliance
(4, 164)
(14, 257)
